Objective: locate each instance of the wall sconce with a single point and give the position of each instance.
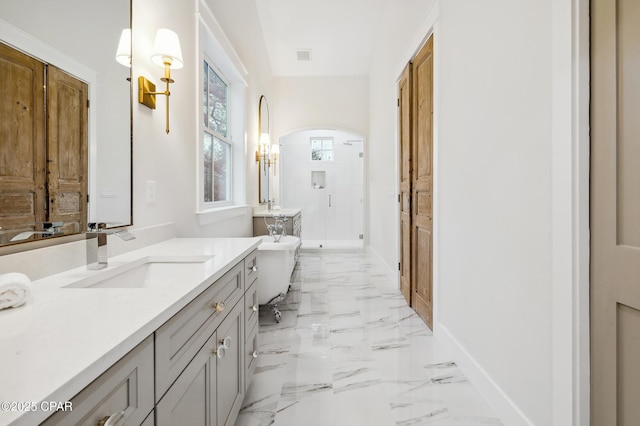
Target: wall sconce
(263, 150)
(267, 153)
(275, 151)
(123, 53)
(166, 53)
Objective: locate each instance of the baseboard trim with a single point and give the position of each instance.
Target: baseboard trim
(391, 272)
(497, 399)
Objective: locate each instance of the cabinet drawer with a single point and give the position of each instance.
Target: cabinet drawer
(251, 267)
(251, 308)
(125, 387)
(180, 338)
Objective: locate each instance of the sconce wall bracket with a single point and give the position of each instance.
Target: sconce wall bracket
(146, 92)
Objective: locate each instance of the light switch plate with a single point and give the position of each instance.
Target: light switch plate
(150, 193)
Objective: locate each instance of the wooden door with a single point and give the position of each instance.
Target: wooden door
(67, 134)
(22, 167)
(404, 126)
(422, 184)
(615, 213)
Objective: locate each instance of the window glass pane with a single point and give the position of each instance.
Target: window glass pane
(208, 167)
(322, 149)
(205, 97)
(221, 170)
(216, 103)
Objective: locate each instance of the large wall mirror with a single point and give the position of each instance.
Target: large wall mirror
(264, 147)
(75, 43)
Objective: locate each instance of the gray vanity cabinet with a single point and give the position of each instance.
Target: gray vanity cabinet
(127, 388)
(198, 360)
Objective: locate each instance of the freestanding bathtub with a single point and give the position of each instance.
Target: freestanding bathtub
(276, 261)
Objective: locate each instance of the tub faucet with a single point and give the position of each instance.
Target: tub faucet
(96, 237)
(277, 229)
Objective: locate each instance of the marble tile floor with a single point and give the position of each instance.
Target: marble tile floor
(349, 351)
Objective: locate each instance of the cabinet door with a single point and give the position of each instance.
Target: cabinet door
(250, 357)
(231, 366)
(191, 400)
(126, 388)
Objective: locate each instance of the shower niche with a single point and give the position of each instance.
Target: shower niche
(318, 179)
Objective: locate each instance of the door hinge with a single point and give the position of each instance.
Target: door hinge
(399, 197)
(398, 266)
(398, 102)
(88, 103)
(87, 198)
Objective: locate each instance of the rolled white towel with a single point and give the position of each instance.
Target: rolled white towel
(14, 289)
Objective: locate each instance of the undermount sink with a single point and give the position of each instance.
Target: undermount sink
(147, 272)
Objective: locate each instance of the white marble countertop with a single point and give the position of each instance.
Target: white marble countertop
(282, 212)
(64, 338)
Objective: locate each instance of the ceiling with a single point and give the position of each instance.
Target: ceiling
(340, 35)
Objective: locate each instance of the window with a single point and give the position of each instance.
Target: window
(216, 141)
(322, 149)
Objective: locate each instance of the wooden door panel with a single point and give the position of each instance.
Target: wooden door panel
(67, 149)
(22, 177)
(405, 128)
(614, 212)
(422, 184)
(422, 282)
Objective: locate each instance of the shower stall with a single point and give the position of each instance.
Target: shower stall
(322, 172)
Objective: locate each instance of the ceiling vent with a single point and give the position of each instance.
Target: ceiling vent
(304, 54)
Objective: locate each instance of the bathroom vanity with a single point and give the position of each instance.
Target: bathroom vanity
(179, 342)
(293, 225)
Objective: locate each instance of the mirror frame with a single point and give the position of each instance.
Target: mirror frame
(263, 169)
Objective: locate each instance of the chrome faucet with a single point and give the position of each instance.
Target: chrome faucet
(49, 229)
(277, 229)
(96, 237)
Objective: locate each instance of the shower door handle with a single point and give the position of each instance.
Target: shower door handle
(329, 200)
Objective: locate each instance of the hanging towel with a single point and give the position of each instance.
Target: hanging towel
(14, 289)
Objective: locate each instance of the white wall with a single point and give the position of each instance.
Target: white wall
(400, 29)
(509, 195)
(171, 160)
(494, 195)
(320, 102)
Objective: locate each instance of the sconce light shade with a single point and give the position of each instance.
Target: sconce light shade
(167, 46)
(265, 141)
(123, 54)
(275, 149)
